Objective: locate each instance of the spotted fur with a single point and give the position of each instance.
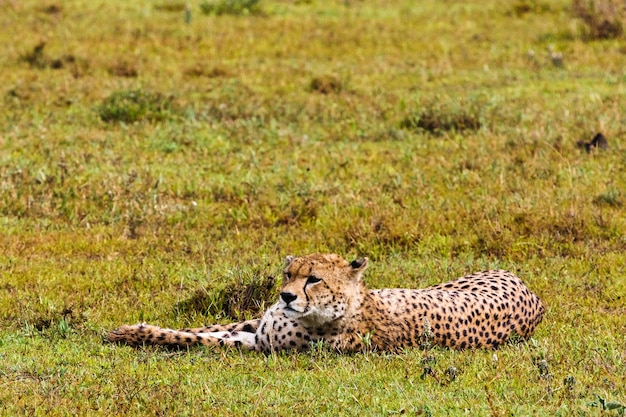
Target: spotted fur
(323, 298)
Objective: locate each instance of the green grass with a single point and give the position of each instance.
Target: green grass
(291, 131)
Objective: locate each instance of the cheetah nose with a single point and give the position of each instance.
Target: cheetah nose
(288, 297)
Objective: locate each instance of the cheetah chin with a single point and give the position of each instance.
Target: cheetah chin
(323, 298)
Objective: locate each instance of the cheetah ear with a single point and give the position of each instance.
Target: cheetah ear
(288, 260)
(358, 267)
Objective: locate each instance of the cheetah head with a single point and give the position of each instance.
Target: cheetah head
(319, 289)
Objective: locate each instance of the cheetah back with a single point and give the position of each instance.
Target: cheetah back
(478, 310)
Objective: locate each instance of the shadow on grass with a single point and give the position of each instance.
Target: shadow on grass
(235, 301)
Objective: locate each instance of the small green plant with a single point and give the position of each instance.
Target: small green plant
(232, 7)
(610, 198)
(135, 105)
(570, 383)
(318, 348)
(603, 19)
(63, 328)
(366, 339)
(608, 405)
(544, 369)
(427, 371)
(452, 373)
(516, 339)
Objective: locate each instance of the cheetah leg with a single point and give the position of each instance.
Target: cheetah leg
(249, 326)
(139, 334)
(237, 339)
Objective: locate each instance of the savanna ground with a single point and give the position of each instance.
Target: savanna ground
(156, 161)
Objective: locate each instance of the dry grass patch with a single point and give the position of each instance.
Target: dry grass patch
(603, 19)
(439, 116)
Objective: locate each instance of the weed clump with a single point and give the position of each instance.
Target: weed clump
(603, 19)
(608, 405)
(133, 106)
(326, 84)
(52, 9)
(200, 70)
(171, 6)
(611, 198)
(230, 7)
(438, 117)
(598, 141)
(124, 69)
(42, 317)
(523, 7)
(235, 301)
(426, 338)
(570, 384)
(38, 59)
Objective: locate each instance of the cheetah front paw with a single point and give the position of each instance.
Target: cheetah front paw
(235, 339)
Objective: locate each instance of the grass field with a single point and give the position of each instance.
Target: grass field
(154, 161)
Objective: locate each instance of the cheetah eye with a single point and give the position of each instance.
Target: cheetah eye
(312, 280)
(287, 275)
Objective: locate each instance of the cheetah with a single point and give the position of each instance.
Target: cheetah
(323, 298)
